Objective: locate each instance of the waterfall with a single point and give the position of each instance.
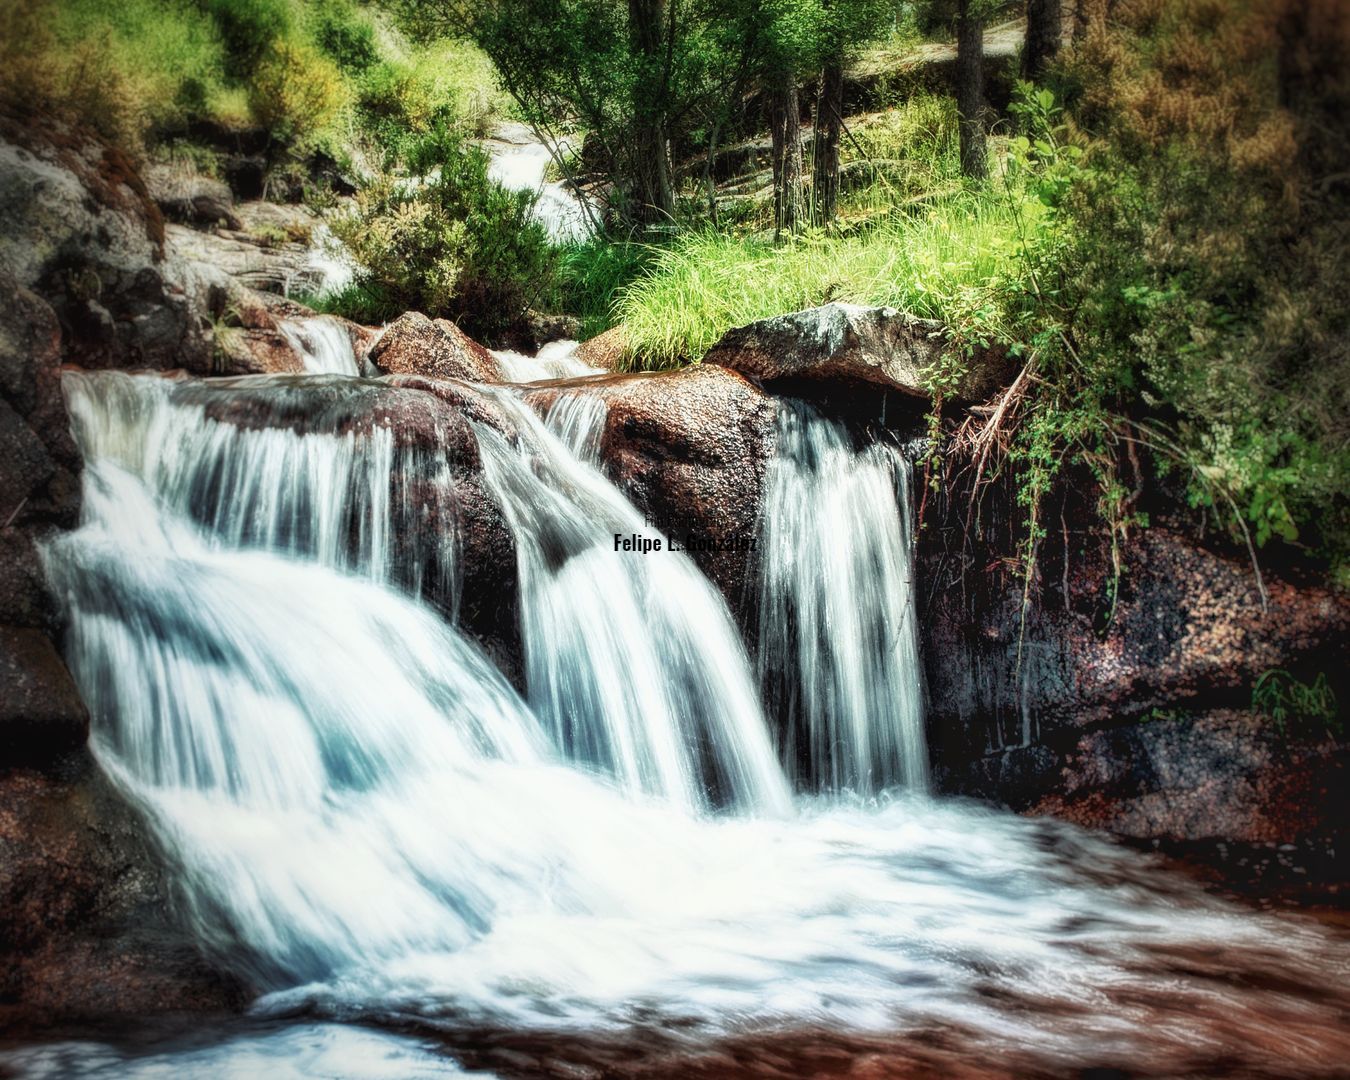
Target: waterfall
(368, 822)
(838, 639)
(328, 494)
(324, 346)
(632, 659)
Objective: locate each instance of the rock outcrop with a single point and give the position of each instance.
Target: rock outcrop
(85, 910)
(690, 448)
(78, 227)
(1140, 724)
(851, 345)
(416, 345)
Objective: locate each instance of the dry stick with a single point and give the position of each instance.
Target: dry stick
(10, 520)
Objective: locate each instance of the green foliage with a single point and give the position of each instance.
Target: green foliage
(590, 275)
(446, 240)
(346, 36)
(951, 261)
(1297, 707)
(296, 92)
(248, 29)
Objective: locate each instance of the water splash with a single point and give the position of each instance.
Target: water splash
(632, 660)
(838, 637)
(323, 345)
(554, 360)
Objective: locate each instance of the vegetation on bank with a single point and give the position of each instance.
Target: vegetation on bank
(1155, 226)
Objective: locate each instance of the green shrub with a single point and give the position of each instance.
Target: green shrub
(346, 36)
(296, 92)
(447, 240)
(248, 30)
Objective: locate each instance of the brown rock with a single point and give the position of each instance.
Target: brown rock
(1224, 774)
(41, 714)
(84, 910)
(851, 345)
(690, 448)
(416, 345)
(255, 352)
(608, 351)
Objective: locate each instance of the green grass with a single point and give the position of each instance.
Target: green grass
(315, 74)
(951, 261)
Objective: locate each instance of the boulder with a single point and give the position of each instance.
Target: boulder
(416, 345)
(255, 352)
(41, 715)
(85, 906)
(607, 351)
(852, 345)
(690, 448)
(185, 196)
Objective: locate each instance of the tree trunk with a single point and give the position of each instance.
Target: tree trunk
(1043, 34)
(970, 89)
(829, 117)
(654, 189)
(785, 128)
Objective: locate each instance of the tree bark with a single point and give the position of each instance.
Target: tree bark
(970, 89)
(829, 117)
(1044, 26)
(654, 189)
(785, 129)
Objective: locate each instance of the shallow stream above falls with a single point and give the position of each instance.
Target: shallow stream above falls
(666, 853)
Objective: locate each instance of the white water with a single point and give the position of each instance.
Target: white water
(370, 823)
(519, 162)
(631, 660)
(333, 498)
(838, 638)
(324, 346)
(554, 360)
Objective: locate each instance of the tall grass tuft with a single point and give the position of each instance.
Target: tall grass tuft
(951, 262)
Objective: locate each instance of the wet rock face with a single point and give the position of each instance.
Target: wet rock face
(416, 345)
(690, 448)
(1180, 777)
(41, 715)
(1141, 724)
(848, 344)
(84, 909)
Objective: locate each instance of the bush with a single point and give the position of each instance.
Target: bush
(346, 37)
(248, 30)
(447, 240)
(296, 92)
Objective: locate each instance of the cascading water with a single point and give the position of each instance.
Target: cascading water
(368, 821)
(633, 662)
(838, 637)
(327, 494)
(323, 345)
(554, 360)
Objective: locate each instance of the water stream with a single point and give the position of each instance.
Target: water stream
(609, 870)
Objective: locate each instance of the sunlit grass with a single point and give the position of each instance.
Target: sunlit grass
(942, 262)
